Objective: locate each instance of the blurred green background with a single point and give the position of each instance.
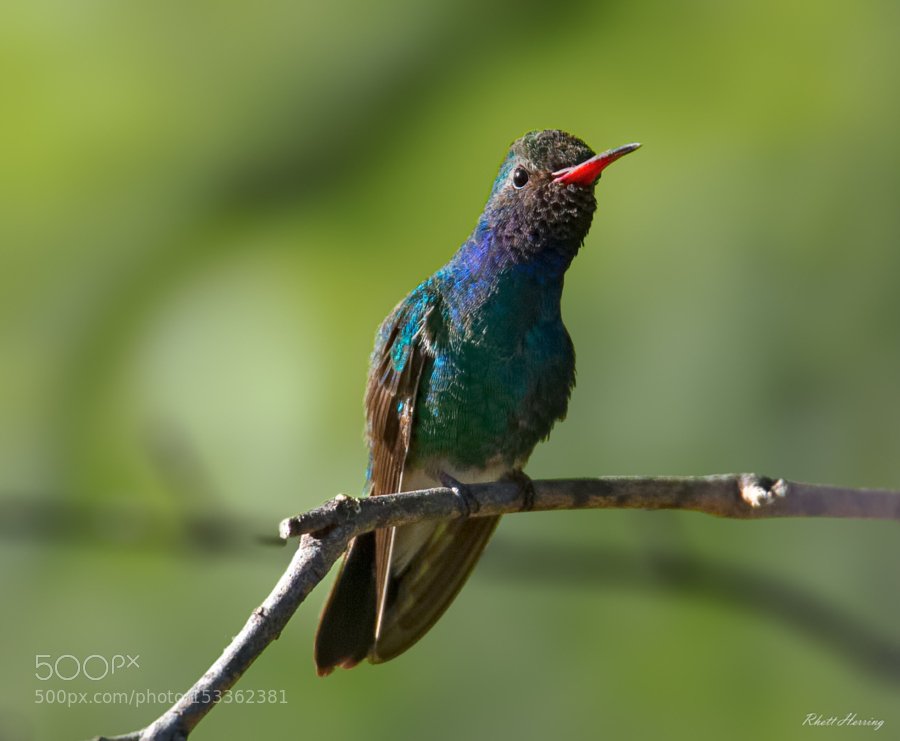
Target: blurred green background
(208, 207)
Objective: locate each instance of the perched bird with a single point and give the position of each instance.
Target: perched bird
(470, 371)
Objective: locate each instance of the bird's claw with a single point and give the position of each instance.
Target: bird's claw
(526, 488)
(464, 494)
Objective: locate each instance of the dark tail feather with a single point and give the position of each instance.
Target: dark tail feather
(420, 594)
(347, 626)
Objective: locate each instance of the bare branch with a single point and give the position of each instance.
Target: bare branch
(327, 530)
(741, 496)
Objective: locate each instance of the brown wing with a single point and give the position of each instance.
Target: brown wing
(390, 402)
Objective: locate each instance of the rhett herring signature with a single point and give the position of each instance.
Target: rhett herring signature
(851, 719)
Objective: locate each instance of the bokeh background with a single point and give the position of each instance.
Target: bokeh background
(208, 207)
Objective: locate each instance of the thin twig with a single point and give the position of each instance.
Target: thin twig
(327, 530)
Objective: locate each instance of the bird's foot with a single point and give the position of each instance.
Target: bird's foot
(526, 488)
(467, 499)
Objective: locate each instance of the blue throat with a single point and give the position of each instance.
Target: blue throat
(493, 272)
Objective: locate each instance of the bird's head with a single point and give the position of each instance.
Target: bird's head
(543, 198)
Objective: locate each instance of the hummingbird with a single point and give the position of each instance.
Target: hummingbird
(469, 372)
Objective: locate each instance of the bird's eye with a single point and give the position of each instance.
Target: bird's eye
(520, 177)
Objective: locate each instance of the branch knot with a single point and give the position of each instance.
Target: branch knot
(321, 520)
(761, 491)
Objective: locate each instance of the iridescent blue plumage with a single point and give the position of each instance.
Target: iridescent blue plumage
(470, 371)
